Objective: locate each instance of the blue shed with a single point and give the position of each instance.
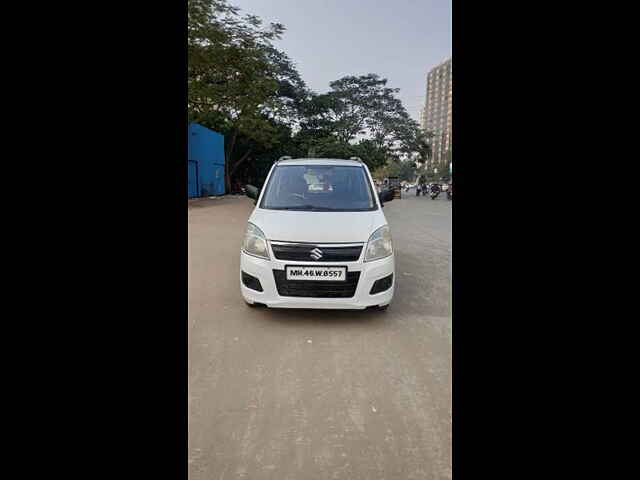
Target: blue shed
(205, 161)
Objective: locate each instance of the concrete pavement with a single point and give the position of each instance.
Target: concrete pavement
(290, 394)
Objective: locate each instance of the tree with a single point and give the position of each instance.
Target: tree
(405, 170)
(238, 83)
(420, 146)
(370, 154)
(353, 102)
(390, 126)
(360, 106)
(361, 117)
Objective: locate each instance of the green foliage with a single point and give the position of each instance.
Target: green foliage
(358, 106)
(240, 85)
(420, 144)
(405, 170)
(370, 154)
(229, 71)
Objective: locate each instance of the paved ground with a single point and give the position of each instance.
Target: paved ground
(289, 394)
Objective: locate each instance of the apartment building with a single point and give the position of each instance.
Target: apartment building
(436, 116)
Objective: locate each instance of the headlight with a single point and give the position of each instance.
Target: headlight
(255, 242)
(379, 244)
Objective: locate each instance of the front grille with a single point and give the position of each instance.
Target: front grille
(302, 253)
(316, 288)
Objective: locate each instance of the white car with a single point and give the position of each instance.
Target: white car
(318, 238)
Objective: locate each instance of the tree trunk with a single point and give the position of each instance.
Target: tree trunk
(227, 183)
(239, 162)
(227, 160)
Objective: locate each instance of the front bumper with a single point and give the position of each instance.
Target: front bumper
(369, 273)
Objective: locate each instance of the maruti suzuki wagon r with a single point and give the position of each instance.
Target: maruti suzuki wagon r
(317, 238)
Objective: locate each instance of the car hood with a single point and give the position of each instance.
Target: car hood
(317, 227)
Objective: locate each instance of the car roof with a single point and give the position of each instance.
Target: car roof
(321, 161)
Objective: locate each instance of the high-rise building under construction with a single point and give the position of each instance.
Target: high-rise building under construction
(436, 116)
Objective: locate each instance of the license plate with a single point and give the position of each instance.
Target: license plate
(330, 274)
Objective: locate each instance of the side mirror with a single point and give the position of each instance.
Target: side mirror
(253, 192)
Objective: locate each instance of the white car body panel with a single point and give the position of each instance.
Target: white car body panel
(317, 228)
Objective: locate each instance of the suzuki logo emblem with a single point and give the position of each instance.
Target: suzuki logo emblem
(316, 254)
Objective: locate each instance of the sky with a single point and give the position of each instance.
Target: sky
(400, 40)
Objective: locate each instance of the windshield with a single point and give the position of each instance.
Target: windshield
(319, 188)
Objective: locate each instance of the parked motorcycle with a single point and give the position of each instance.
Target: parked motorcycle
(434, 195)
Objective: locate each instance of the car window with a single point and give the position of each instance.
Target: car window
(319, 188)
